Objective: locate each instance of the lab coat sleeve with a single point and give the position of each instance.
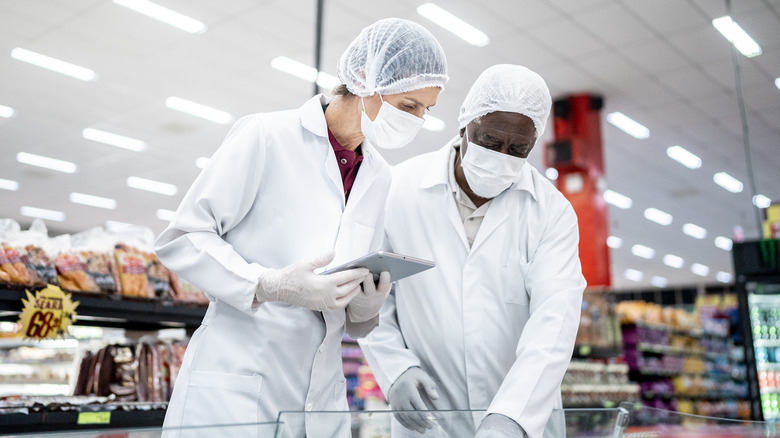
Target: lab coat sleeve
(385, 348)
(555, 284)
(192, 245)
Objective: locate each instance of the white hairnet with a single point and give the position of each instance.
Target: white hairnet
(508, 88)
(393, 56)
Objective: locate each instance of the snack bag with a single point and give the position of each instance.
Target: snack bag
(13, 265)
(40, 268)
(160, 278)
(131, 266)
(99, 267)
(72, 273)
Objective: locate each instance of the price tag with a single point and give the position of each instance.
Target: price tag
(48, 314)
(94, 418)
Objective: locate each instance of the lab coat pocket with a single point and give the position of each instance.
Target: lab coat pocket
(361, 239)
(222, 398)
(516, 267)
(340, 395)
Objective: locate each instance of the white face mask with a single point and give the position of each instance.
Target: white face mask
(489, 172)
(392, 128)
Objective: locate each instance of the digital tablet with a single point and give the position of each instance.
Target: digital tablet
(399, 266)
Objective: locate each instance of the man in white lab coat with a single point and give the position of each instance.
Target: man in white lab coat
(284, 192)
(492, 327)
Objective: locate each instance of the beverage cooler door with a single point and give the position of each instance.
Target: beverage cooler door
(764, 307)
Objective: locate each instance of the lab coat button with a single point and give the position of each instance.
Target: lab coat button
(309, 407)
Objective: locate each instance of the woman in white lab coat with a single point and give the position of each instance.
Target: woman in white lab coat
(284, 192)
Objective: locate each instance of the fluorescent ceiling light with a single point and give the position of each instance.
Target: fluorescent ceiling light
(433, 123)
(165, 215)
(673, 261)
(165, 15)
(198, 110)
(305, 72)
(43, 213)
(628, 125)
(761, 201)
(202, 162)
(112, 139)
(616, 199)
(450, 22)
(659, 281)
(614, 242)
(699, 269)
(110, 225)
(658, 216)
(6, 112)
(53, 64)
(723, 277)
(7, 184)
(151, 185)
(633, 275)
(777, 83)
(724, 243)
(93, 201)
(46, 162)
(694, 231)
(682, 156)
(737, 36)
(551, 173)
(728, 182)
(643, 251)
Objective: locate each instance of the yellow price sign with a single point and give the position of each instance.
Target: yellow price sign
(94, 418)
(47, 314)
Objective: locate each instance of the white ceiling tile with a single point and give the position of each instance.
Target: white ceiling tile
(565, 37)
(615, 26)
(667, 15)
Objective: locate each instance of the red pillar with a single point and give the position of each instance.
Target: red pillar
(576, 152)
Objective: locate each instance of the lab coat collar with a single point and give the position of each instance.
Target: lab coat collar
(313, 120)
(438, 173)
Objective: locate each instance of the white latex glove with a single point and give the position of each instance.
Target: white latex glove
(409, 393)
(499, 426)
(367, 304)
(298, 285)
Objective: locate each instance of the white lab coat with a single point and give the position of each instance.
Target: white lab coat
(270, 196)
(493, 324)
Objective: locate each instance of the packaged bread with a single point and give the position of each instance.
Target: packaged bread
(131, 265)
(11, 264)
(161, 279)
(100, 267)
(72, 273)
(40, 268)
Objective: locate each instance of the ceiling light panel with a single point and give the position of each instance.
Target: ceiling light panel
(699, 269)
(628, 125)
(165, 15)
(695, 231)
(728, 182)
(454, 24)
(112, 139)
(46, 162)
(151, 186)
(633, 275)
(42, 213)
(614, 242)
(198, 110)
(737, 36)
(7, 184)
(658, 216)
(683, 156)
(643, 251)
(93, 201)
(724, 243)
(673, 261)
(53, 64)
(616, 199)
(6, 112)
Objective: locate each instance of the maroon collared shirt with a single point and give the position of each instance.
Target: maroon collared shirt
(349, 163)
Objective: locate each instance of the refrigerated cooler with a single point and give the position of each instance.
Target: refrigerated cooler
(757, 269)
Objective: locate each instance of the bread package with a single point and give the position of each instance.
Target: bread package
(40, 268)
(131, 265)
(11, 263)
(72, 273)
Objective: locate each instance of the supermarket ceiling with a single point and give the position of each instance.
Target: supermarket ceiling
(660, 62)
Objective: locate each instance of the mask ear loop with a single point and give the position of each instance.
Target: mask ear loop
(364, 103)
